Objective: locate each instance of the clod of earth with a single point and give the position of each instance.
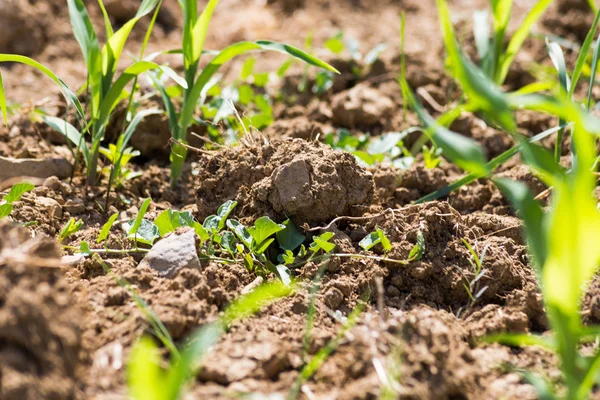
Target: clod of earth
(173, 253)
(306, 181)
(37, 168)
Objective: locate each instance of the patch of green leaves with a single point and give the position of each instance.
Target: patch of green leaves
(15, 194)
(375, 238)
(70, 228)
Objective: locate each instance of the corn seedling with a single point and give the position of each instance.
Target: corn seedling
(15, 193)
(104, 86)
(494, 58)
(195, 29)
(472, 283)
(148, 380)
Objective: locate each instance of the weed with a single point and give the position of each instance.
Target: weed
(472, 284)
(15, 193)
(70, 228)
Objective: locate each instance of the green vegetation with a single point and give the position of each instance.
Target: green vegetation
(15, 193)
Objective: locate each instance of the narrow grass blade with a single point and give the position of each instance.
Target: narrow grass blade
(3, 102)
(519, 37)
(583, 53)
(594, 68)
(227, 54)
(107, 25)
(481, 33)
(67, 93)
(169, 106)
(84, 32)
(501, 10)
(558, 60)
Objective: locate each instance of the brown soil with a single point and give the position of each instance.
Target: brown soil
(67, 332)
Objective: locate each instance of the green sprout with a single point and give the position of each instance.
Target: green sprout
(15, 194)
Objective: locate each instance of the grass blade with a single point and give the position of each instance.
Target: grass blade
(594, 68)
(107, 24)
(3, 102)
(200, 30)
(71, 133)
(70, 97)
(519, 37)
(583, 53)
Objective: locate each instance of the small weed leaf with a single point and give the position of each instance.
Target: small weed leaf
(321, 242)
(385, 242)
(170, 220)
(5, 210)
(71, 227)
(416, 253)
(228, 242)
(106, 228)
(290, 238)
(241, 232)
(263, 229)
(146, 232)
(216, 223)
(370, 241)
(17, 191)
(84, 248)
(284, 274)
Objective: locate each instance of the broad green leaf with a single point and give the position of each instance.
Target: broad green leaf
(146, 232)
(17, 190)
(289, 238)
(263, 229)
(217, 222)
(321, 242)
(416, 253)
(241, 232)
(71, 133)
(263, 246)
(228, 241)
(385, 242)
(370, 241)
(106, 228)
(169, 220)
(284, 274)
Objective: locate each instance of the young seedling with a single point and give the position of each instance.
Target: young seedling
(70, 228)
(195, 29)
(472, 284)
(104, 86)
(15, 193)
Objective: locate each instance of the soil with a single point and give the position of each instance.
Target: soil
(66, 330)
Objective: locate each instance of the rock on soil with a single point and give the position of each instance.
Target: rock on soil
(361, 106)
(173, 253)
(37, 168)
(306, 181)
(40, 335)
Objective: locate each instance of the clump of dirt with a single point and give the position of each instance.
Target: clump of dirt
(361, 106)
(40, 332)
(306, 181)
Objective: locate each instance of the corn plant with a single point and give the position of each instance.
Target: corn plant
(561, 240)
(195, 29)
(495, 59)
(105, 87)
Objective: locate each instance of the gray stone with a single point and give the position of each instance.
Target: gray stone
(36, 168)
(173, 253)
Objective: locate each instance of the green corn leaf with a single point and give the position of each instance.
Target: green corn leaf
(70, 97)
(290, 238)
(113, 96)
(71, 133)
(131, 127)
(481, 33)
(583, 54)
(542, 387)
(518, 38)
(84, 32)
(263, 229)
(145, 375)
(542, 161)
(227, 54)
(479, 88)
(104, 232)
(169, 106)
(107, 25)
(17, 190)
(200, 29)
(594, 68)
(462, 151)
(531, 212)
(558, 60)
